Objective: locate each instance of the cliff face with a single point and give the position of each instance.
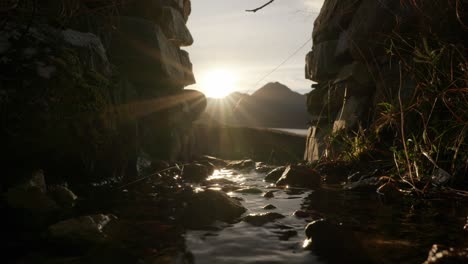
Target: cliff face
(369, 53)
(90, 85)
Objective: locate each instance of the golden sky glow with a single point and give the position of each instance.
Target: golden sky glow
(218, 83)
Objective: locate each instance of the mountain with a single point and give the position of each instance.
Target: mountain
(273, 105)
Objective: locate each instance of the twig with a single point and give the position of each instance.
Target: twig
(261, 7)
(402, 127)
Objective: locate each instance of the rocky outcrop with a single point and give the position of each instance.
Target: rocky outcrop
(91, 90)
(355, 64)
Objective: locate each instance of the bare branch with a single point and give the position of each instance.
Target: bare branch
(261, 7)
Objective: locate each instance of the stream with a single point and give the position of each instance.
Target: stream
(400, 232)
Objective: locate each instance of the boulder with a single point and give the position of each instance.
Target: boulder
(205, 207)
(334, 242)
(275, 174)
(299, 176)
(444, 255)
(195, 172)
(81, 230)
(262, 219)
(174, 27)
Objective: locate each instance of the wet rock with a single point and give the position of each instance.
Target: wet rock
(63, 196)
(82, 230)
(275, 174)
(390, 192)
(444, 255)
(301, 214)
(300, 176)
(262, 219)
(466, 225)
(205, 207)
(210, 166)
(249, 191)
(334, 242)
(241, 165)
(262, 167)
(195, 172)
(364, 185)
(269, 207)
(269, 194)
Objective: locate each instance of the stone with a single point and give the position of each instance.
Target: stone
(444, 255)
(63, 196)
(195, 172)
(260, 167)
(269, 207)
(299, 176)
(269, 194)
(334, 242)
(320, 61)
(142, 51)
(174, 27)
(312, 145)
(275, 174)
(262, 219)
(81, 230)
(355, 71)
(205, 207)
(249, 191)
(241, 165)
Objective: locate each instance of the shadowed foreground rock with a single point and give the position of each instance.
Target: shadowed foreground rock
(208, 206)
(299, 176)
(334, 243)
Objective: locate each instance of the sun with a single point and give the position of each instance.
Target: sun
(218, 83)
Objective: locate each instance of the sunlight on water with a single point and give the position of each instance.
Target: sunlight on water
(244, 243)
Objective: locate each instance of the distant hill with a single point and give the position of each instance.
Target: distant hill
(273, 105)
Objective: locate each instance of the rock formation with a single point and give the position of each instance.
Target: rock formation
(86, 86)
(355, 62)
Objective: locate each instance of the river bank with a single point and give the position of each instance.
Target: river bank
(232, 211)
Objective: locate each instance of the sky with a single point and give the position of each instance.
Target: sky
(250, 45)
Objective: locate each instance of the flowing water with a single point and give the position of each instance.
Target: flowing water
(402, 232)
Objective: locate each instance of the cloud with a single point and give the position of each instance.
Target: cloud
(315, 5)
